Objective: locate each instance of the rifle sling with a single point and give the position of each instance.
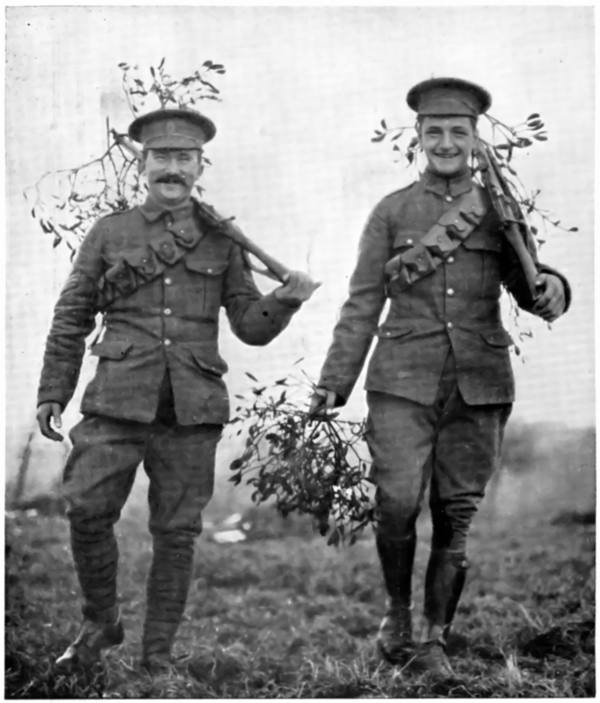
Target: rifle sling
(446, 235)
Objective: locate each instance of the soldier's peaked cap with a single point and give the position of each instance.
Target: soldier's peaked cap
(448, 96)
(172, 129)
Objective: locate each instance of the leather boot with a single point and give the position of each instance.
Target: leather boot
(87, 647)
(395, 632)
(444, 581)
(168, 585)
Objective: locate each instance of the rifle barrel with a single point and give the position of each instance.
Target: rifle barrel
(509, 211)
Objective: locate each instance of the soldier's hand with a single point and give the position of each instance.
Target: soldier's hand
(550, 302)
(47, 412)
(321, 401)
(297, 288)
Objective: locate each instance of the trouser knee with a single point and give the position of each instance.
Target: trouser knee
(395, 518)
(85, 521)
(451, 524)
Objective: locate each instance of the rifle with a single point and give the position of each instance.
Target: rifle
(512, 219)
(274, 269)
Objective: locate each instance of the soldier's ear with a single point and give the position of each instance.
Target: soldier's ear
(142, 162)
(200, 166)
(418, 125)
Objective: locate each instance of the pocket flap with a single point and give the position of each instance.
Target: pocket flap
(407, 238)
(484, 240)
(113, 349)
(208, 360)
(388, 332)
(208, 268)
(498, 338)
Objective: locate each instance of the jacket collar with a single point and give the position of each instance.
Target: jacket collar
(457, 185)
(152, 211)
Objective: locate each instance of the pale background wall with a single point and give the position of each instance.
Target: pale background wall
(293, 160)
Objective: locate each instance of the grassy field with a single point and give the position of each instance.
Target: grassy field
(281, 615)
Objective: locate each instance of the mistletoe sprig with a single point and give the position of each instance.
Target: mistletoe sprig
(304, 465)
(504, 141)
(168, 91)
(66, 202)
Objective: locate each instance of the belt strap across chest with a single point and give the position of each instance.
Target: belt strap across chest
(446, 235)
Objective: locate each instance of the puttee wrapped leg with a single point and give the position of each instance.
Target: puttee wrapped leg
(167, 590)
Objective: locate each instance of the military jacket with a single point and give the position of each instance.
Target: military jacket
(160, 279)
(456, 307)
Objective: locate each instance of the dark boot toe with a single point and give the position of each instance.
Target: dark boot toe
(394, 638)
(431, 658)
(92, 639)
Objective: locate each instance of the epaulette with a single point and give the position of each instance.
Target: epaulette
(115, 212)
(400, 190)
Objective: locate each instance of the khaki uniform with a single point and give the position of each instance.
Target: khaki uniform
(442, 339)
(439, 383)
(159, 278)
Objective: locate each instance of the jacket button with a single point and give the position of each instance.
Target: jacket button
(168, 281)
(450, 259)
(409, 241)
(450, 291)
(167, 342)
(449, 325)
(448, 198)
(167, 311)
(209, 270)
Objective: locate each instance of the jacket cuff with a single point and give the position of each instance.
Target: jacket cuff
(342, 391)
(278, 308)
(52, 394)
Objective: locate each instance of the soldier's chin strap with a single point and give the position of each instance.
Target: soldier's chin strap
(446, 235)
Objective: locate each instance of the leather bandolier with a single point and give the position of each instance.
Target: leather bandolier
(128, 274)
(446, 235)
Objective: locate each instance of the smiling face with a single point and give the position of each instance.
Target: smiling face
(171, 174)
(448, 143)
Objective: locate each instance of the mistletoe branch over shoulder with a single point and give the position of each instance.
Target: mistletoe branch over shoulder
(504, 142)
(66, 202)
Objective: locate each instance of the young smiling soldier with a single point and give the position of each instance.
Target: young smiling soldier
(159, 273)
(439, 383)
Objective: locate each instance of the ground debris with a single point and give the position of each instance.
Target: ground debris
(563, 641)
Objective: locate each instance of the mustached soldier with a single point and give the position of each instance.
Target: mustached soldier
(159, 273)
(439, 383)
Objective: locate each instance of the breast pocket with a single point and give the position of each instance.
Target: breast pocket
(485, 250)
(405, 239)
(204, 284)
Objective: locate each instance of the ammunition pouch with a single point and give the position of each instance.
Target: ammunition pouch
(446, 235)
(164, 250)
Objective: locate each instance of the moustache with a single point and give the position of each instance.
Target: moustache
(170, 179)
